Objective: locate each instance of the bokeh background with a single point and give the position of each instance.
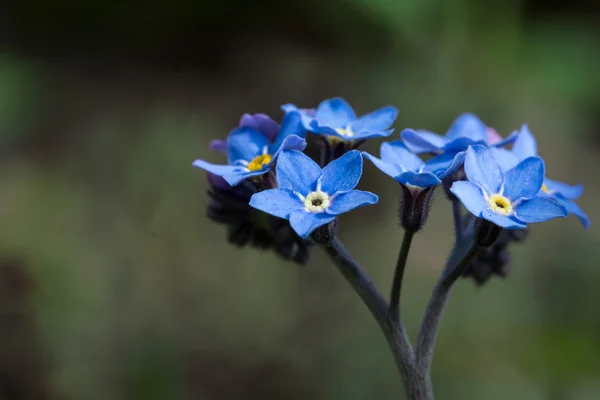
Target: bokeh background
(113, 283)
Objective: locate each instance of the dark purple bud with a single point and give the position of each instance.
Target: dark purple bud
(261, 123)
(414, 207)
(219, 145)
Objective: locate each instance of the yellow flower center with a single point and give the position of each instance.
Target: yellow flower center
(345, 132)
(316, 201)
(259, 162)
(545, 188)
(500, 204)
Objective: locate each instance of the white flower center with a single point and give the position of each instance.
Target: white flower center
(316, 202)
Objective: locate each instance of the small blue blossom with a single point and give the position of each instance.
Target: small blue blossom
(508, 199)
(408, 169)
(465, 131)
(311, 197)
(335, 118)
(253, 147)
(526, 146)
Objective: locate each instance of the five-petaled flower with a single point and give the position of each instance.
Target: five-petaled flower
(466, 130)
(526, 146)
(508, 199)
(335, 119)
(253, 147)
(311, 197)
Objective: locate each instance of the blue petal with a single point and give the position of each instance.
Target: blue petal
(218, 145)
(471, 197)
(305, 116)
(525, 180)
(445, 164)
(345, 202)
(335, 112)
(467, 125)
(385, 167)
(297, 171)
(233, 174)
(573, 208)
(320, 129)
(342, 174)
(304, 222)
(502, 220)
(245, 144)
(568, 191)
(462, 143)
(420, 179)
(507, 140)
(278, 202)
(505, 158)
(291, 142)
(364, 134)
(261, 123)
(525, 145)
(397, 153)
(376, 121)
(422, 141)
(482, 170)
(291, 125)
(539, 209)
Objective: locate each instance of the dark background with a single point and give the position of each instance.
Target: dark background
(113, 284)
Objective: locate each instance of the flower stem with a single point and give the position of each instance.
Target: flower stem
(394, 311)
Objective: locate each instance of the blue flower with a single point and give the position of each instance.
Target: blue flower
(465, 131)
(311, 197)
(526, 146)
(408, 169)
(508, 199)
(335, 118)
(253, 147)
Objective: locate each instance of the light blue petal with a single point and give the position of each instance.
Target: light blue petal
(482, 170)
(245, 144)
(505, 158)
(525, 180)
(385, 167)
(219, 170)
(304, 222)
(507, 140)
(278, 202)
(445, 164)
(376, 121)
(573, 208)
(297, 171)
(235, 178)
(568, 191)
(539, 209)
(306, 116)
(397, 153)
(345, 202)
(364, 134)
(420, 179)
(422, 141)
(335, 113)
(471, 197)
(467, 125)
(525, 145)
(291, 125)
(502, 220)
(342, 174)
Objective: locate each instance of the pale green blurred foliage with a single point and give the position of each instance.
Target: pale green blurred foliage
(137, 295)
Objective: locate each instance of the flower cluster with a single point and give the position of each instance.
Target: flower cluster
(271, 178)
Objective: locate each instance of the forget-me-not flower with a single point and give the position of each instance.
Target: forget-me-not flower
(526, 146)
(508, 199)
(311, 197)
(335, 119)
(465, 131)
(251, 152)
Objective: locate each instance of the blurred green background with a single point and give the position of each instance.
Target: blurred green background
(114, 285)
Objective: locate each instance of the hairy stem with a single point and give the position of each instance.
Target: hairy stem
(394, 311)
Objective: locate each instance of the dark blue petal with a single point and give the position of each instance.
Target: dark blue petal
(539, 209)
(445, 164)
(364, 134)
(376, 121)
(507, 140)
(291, 142)
(218, 145)
(420, 179)
(297, 171)
(568, 191)
(342, 174)
(525, 180)
(385, 167)
(304, 222)
(505, 158)
(397, 153)
(502, 220)
(462, 143)
(573, 208)
(245, 144)
(291, 125)
(261, 123)
(525, 145)
(320, 129)
(469, 126)
(335, 112)
(306, 116)
(482, 170)
(345, 202)
(471, 197)
(278, 202)
(422, 141)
